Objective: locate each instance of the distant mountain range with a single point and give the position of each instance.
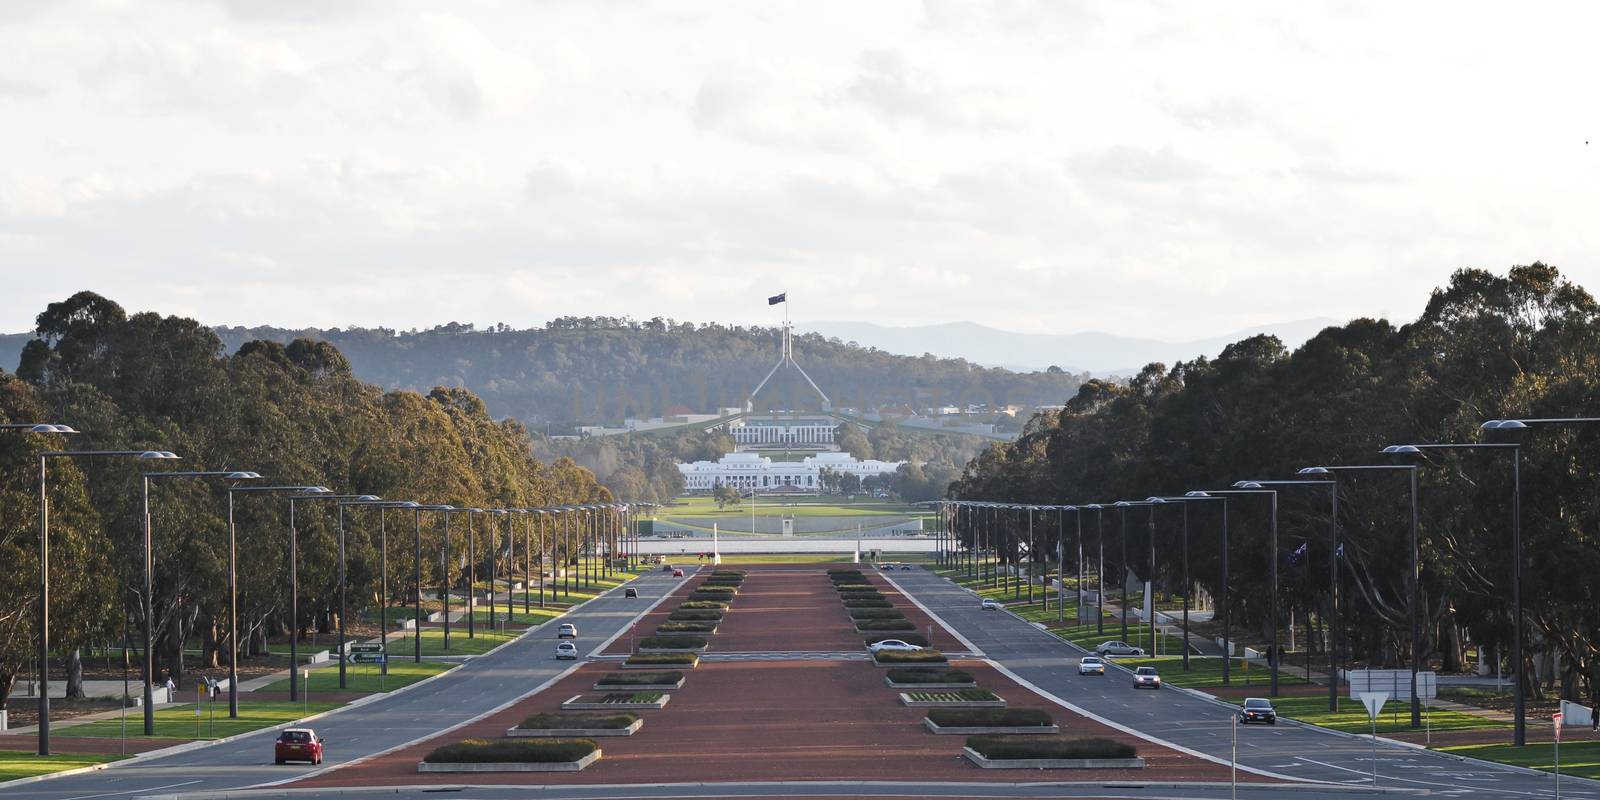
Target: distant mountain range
(1098, 353)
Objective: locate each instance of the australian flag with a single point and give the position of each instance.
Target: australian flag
(1299, 553)
(778, 298)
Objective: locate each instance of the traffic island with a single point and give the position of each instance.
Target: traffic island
(659, 660)
(640, 681)
(1048, 752)
(989, 721)
(920, 678)
(616, 701)
(672, 644)
(952, 698)
(670, 628)
(508, 755)
(554, 726)
(926, 659)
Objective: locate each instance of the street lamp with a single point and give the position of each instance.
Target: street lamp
(1099, 568)
(294, 581)
(1333, 580)
(1227, 630)
(1187, 585)
(149, 570)
(233, 585)
(44, 560)
(1246, 487)
(416, 644)
(383, 591)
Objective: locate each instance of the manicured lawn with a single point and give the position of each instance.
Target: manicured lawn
(1352, 716)
(830, 507)
(365, 677)
(555, 596)
(15, 764)
(1581, 758)
(789, 558)
(460, 645)
(1206, 673)
(178, 722)
(1138, 635)
(519, 619)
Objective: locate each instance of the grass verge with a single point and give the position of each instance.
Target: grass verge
(366, 677)
(16, 764)
(179, 722)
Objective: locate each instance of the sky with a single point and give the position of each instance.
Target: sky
(1170, 170)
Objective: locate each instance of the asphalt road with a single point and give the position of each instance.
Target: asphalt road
(478, 686)
(1300, 753)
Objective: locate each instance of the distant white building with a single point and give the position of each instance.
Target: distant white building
(747, 471)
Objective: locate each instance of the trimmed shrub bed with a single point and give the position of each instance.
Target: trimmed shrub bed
(855, 588)
(924, 658)
(626, 679)
(724, 580)
(724, 590)
(511, 751)
(1051, 752)
(552, 726)
(952, 698)
(702, 605)
(696, 615)
(728, 573)
(724, 597)
(861, 596)
(840, 572)
(988, 717)
(686, 627)
(874, 613)
(865, 625)
(616, 700)
(909, 638)
(672, 643)
(929, 678)
(653, 660)
(867, 603)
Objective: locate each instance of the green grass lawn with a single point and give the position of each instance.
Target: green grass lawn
(519, 619)
(1206, 673)
(178, 722)
(789, 558)
(1581, 758)
(16, 764)
(773, 507)
(460, 645)
(366, 678)
(1394, 718)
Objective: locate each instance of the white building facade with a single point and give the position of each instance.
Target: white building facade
(753, 471)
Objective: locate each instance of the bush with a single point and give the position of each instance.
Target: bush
(1049, 747)
(551, 720)
(860, 596)
(965, 695)
(699, 596)
(909, 638)
(660, 659)
(716, 580)
(875, 613)
(988, 717)
(723, 590)
(696, 615)
(867, 603)
(628, 697)
(864, 625)
(672, 642)
(929, 675)
(728, 573)
(848, 588)
(841, 572)
(911, 657)
(539, 751)
(686, 627)
(638, 678)
(703, 604)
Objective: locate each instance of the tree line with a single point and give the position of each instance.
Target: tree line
(1521, 345)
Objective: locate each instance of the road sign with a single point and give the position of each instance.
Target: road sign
(1397, 682)
(367, 658)
(1373, 701)
(1556, 718)
(366, 647)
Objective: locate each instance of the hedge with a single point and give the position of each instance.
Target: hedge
(696, 615)
(911, 657)
(686, 627)
(638, 678)
(998, 747)
(909, 638)
(700, 596)
(672, 642)
(864, 625)
(540, 751)
(700, 604)
(929, 675)
(704, 589)
(846, 588)
(627, 697)
(965, 695)
(867, 603)
(842, 571)
(875, 613)
(553, 721)
(716, 580)
(728, 573)
(862, 595)
(660, 659)
(988, 717)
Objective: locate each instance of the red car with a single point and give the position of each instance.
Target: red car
(298, 744)
(677, 573)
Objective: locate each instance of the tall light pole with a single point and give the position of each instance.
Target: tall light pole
(149, 573)
(416, 625)
(1227, 630)
(383, 591)
(1100, 568)
(294, 580)
(44, 565)
(233, 583)
(1272, 495)
(1333, 576)
(1122, 507)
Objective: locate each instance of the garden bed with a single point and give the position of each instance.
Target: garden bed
(672, 644)
(928, 659)
(551, 725)
(1049, 752)
(512, 755)
(880, 625)
(723, 597)
(952, 698)
(974, 721)
(867, 603)
(670, 628)
(639, 681)
(616, 701)
(917, 678)
(859, 614)
(702, 605)
(861, 595)
(695, 615)
(658, 660)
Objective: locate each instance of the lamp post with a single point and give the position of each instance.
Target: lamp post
(149, 576)
(416, 625)
(1122, 507)
(383, 592)
(1099, 568)
(444, 580)
(1333, 577)
(294, 580)
(233, 583)
(44, 561)
(1227, 631)
(1272, 653)
(1187, 584)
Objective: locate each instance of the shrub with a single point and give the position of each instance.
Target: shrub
(875, 613)
(867, 603)
(629, 697)
(909, 638)
(864, 625)
(686, 627)
(728, 573)
(696, 615)
(929, 675)
(672, 642)
(988, 717)
(660, 659)
(551, 720)
(840, 572)
(911, 657)
(845, 588)
(1049, 747)
(860, 596)
(724, 590)
(718, 596)
(540, 751)
(947, 695)
(703, 604)
(638, 678)
(720, 580)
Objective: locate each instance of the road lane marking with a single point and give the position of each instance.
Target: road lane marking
(131, 791)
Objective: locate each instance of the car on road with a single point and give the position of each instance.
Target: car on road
(1091, 665)
(892, 645)
(1117, 649)
(677, 573)
(991, 605)
(298, 744)
(567, 630)
(905, 567)
(567, 650)
(630, 592)
(1257, 709)
(666, 567)
(1146, 678)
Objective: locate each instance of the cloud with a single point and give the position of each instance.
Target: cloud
(1138, 165)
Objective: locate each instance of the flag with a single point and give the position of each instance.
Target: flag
(1299, 552)
(778, 298)
(1339, 553)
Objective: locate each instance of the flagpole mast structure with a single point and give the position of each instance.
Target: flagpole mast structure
(785, 356)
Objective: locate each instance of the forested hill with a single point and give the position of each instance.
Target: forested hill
(600, 369)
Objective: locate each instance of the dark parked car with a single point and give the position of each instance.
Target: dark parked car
(630, 592)
(1258, 709)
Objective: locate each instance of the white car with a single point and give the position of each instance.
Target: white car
(991, 605)
(1146, 678)
(892, 644)
(567, 631)
(567, 650)
(1118, 649)
(1091, 665)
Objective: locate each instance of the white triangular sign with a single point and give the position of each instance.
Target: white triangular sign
(1374, 702)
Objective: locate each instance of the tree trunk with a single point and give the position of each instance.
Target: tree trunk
(210, 647)
(75, 675)
(8, 681)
